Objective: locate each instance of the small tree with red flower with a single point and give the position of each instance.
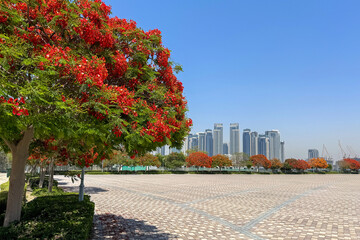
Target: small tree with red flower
(72, 72)
(260, 161)
(221, 161)
(198, 159)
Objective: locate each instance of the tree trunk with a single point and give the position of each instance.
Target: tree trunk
(51, 175)
(20, 153)
(81, 187)
(42, 176)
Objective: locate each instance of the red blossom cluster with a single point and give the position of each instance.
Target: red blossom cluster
(299, 164)
(112, 44)
(93, 70)
(163, 57)
(120, 65)
(199, 159)
(3, 17)
(14, 103)
(87, 159)
(116, 130)
(260, 161)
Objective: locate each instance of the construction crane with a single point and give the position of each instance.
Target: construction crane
(352, 152)
(325, 154)
(343, 153)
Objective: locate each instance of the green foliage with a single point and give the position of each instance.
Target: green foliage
(53, 217)
(3, 201)
(34, 182)
(330, 167)
(5, 186)
(44, 192)
(174, 160)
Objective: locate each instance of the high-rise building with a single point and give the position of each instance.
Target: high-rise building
(201, 143)
(162, 150)
(247, 141)
(254, 144)
(174, 150)
(313, 153)
(218, 139)
(209, 142)
(225, 148)
(234, 138)
(185, 146)
(263, 145)
(282, 151)
(194, 142)
(274, 143)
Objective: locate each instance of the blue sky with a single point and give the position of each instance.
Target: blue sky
(287, 65)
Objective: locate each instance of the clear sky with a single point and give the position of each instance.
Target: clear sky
(270, 64)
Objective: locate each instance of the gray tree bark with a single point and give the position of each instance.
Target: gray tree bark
(42, 176)
(20, 153)
(51, 175)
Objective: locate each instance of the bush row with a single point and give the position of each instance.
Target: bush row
(53, 217)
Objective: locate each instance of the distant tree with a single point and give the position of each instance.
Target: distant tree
(199, 159)
(330, 167)
(288, 165)
(193, 150)
(148, 160)
(275, 164)
(161, 159)
(260, 161)
(318, 163)
(343, 165)
(353, 165)
(174, 160)
(241, 160)
(221, 161)
(118, 157)
(300, 165)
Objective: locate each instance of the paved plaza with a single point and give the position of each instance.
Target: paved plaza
(224, 206)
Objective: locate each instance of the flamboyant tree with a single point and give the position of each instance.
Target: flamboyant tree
(352, 164)
(260, 160)
(300, 165)
(318, 163)
(221, 161)
(275, 164)
(70, 71)
(198, 159)
(148, 160)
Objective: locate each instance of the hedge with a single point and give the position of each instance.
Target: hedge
(53, 217)
(34, 182)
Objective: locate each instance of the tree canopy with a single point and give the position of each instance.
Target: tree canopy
(70, 71)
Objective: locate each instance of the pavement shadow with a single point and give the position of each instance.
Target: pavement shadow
(110, 226)
(88, 190)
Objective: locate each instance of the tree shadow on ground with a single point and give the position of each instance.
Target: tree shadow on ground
(110, 226)
(88, 190)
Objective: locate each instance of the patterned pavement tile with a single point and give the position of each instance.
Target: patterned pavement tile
(223, 206)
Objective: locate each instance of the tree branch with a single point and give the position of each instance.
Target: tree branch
(9, 144)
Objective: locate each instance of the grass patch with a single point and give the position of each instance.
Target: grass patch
(44, 192)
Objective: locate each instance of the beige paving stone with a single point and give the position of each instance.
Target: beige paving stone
(224, 206)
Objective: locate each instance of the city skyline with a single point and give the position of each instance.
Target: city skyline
(291, 66)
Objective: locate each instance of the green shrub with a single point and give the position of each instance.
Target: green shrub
(34, 182)
(44, 192)
(5, 186)
(3, 201)
(53, 217)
